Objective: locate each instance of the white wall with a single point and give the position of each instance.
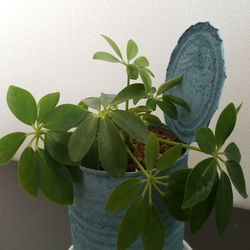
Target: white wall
(48, 45)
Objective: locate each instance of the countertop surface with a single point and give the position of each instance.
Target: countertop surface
(37, 224)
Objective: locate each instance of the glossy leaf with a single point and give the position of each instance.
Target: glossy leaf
(104, 56)
(64, 117)
(132, 50)
(22, 104)
(83, 137)
(135, 90)
(232, 152)
(112, 149)
(93, 102)
(29, 172)
(123, 195)
(153, 232)
(169, 85)
(106, 99)
(46, 104)
(177, 100)
(205, 139)
(200, 182)
(224, 203)
(225, 124)
(131, 224)
(56, 143)
(168, 158)
(168, 109)
(237, 177)
(55, 180)
(141, 61)
(113, 45)
(152, 149)
(9, 145)
(130, 123)
(146, 79)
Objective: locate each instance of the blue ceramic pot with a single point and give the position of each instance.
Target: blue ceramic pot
(94, 229)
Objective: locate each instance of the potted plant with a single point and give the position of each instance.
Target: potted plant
(121, 170)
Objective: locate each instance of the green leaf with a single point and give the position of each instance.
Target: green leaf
(224, 203)
(130, 123)
(237, 177)
(225, 124)
(56, 143)
(169, 84)
(232, 152)
(83, 137)
(132, 49)
(91, 159)
(132, 71)
(93, 102)
(123, 195)
(168, 158)
(201, 211)
(113, 45)
(146, 79)
(152, 149)
(177, 100)
(22, 104)
(149, 72)
(151, 103)
(75, 173)
(200, 182)
(131, 224)
(152, 119)
(104, 56)
(106, 99)
(135, 90)
(153, 232)
(238, 108)
(141, 61)
(64, 117)
(46, 104)
(9, 145)
(205, 139)
(55, 180)
(112, 149)
(168, 109)
(29, 172)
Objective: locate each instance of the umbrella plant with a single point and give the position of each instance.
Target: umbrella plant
(98, 133)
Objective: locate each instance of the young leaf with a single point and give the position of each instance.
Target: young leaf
(132, 50)
(169, 85)
(151, 103)
(200, 182)
(131, 224)
(168, 109)
(141, 61)
(55, 180)
(93, 102)
(237, 177)
(104, 56)
(22, 104)
(146, 79)
(135, 90)
(82, 138)
(224, 203)
(9, 144)
(201, 211)
(112, 149)
(29, 172)
(130, 123)
(153, 232)
(56, 143)
(113, 45)
(205, 139)
(132, 71)
(64, 117)
(178, 101)
(169, 158)
(225, 124)
(232, 152)
(123, 195)
(106, 99)
(152, 148)
(46, 104)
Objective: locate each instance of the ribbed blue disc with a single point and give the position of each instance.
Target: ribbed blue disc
(198, 57)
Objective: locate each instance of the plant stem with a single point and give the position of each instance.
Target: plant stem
(137, 163)
(145, 189)
(128, 82)
(161, 183)
(179, 143)
(161, 177)
(158, 189)
(150, 195)
(221, 159)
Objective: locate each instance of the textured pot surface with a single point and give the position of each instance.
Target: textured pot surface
(94, 229)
